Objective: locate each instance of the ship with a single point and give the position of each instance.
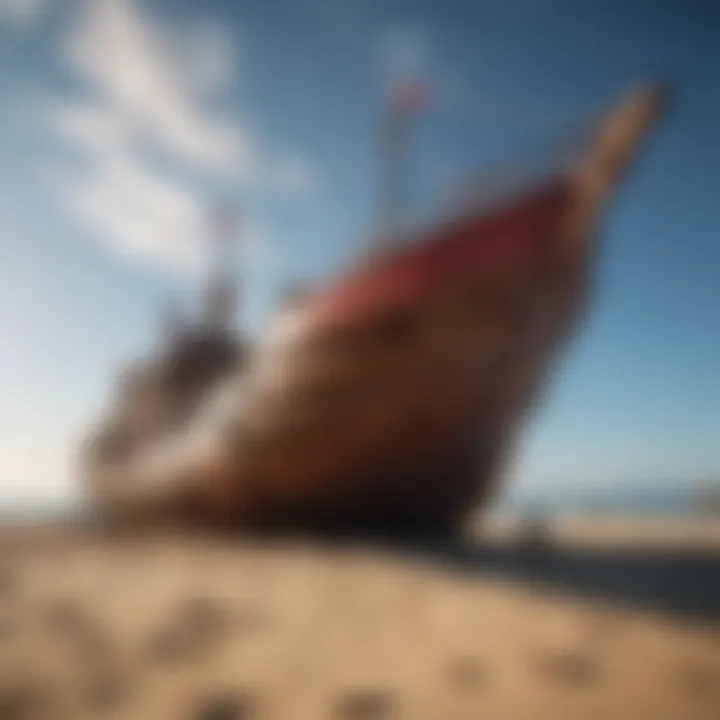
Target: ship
(387, 398)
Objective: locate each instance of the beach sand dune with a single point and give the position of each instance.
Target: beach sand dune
(178, 626)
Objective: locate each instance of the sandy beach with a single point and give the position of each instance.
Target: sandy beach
(181, 626)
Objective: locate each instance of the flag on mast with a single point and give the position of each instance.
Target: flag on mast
(409, 98)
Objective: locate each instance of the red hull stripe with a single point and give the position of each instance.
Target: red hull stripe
(469, 249)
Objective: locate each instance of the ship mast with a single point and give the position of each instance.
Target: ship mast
(222, 288)
(407, 99)
(172, 322)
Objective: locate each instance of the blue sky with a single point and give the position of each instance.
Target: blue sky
(121, 121)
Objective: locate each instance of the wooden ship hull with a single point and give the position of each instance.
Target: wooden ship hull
(390, 398)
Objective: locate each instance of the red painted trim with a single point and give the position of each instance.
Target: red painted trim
(512, 236)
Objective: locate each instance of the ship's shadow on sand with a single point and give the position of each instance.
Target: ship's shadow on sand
(684, 583)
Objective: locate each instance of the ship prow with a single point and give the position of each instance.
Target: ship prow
(392, 396)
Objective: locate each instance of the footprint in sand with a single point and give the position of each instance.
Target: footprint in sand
(64, 617)
(570, 667)
(366, 705)
(227, 707)
(107, 691)
(205, 616)
(170, 645)
(198, 623)
(700, 680)
(465, 673)
(21, 699)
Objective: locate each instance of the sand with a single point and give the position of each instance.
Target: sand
(179, 626)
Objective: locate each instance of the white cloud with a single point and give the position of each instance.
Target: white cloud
(118, 196)
(150, 86)
(140, 95)
(130, 61)
(90, 128)
(141, 212)
(21, 13)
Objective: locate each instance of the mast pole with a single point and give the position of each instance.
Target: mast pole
(393, 150)
(406, 100)
(222, 286)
